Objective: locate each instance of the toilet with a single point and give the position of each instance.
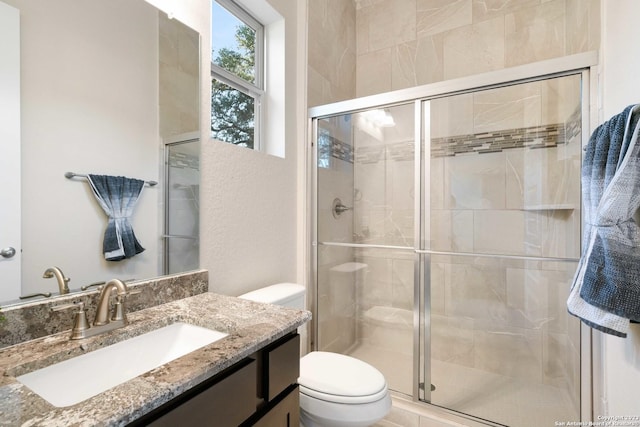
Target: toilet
(335, 390)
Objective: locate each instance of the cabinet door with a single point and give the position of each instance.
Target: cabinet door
(227, 403)
(282, 366)
(284, 414)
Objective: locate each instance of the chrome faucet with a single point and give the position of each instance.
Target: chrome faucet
(103, 322)
(59, 275)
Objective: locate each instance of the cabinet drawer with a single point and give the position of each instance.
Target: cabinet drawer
(282, 366)
(226, 403)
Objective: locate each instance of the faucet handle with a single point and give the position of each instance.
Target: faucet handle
(99, 284)
(80, 322)
(68, 306)
(119, 312)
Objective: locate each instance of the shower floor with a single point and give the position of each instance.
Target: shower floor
(483, 394)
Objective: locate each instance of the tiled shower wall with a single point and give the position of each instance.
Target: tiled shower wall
(414, 42)
(332, 51)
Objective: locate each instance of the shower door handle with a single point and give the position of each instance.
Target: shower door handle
(7, 252)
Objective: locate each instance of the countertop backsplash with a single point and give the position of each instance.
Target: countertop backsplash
(33, 320)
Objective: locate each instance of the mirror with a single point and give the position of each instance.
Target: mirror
(105, 87)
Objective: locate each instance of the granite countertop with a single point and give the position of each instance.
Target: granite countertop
(250, 326)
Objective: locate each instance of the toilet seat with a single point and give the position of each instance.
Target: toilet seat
(338, 378)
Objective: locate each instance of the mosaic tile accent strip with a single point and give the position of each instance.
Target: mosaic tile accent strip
(184, 161)
(492, 142)
(544, 136)
(369, 155)
(331, 147)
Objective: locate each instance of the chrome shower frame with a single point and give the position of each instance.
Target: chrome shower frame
(584, 64)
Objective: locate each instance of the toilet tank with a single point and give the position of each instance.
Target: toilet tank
(284, 294)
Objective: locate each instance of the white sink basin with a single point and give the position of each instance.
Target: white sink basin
(74, 380)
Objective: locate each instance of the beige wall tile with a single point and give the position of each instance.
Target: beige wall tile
(535, 33)
(475, 181)
(528, 291)
(553, 233)
(594, 24)
(510, 107)
(391, 22)
(404, 128)
(437, 287)
(362, 31)
(576, 20)
(488, 9)
(318, 88)
(403, 65)
(373, 72)
(474, 49)
(452, 116)
(477, 292)
(402, 282)
(429, 59)
(581, 15)
(501, 232)
(440, 231)
(462, 224)
(331, 51)
(436, 177)
(515, 182)
(436, 16)
(500, 33)
(376, 286)
(452, 230)
(552, 177)
(560, 98)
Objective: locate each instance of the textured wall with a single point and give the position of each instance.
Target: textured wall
(249, 200)
(405, 43)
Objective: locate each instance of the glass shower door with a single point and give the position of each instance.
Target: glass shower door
(501, 243)
(365, 252)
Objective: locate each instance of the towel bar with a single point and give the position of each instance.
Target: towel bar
(70, 175)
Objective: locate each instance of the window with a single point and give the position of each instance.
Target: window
(237, 75)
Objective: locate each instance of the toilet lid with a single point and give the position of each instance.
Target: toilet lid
(339, 378)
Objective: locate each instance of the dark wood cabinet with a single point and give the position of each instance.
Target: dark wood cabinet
(260, 390)
(285, 413)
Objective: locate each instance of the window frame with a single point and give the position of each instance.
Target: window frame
(257, 90)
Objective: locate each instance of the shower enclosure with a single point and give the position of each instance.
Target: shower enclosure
(181, 251)
(445, 238)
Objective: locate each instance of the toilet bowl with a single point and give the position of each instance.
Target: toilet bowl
(335, 390)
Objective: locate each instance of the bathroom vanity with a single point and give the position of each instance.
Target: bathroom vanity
(246, 378)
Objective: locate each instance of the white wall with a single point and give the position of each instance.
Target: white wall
(620, 373)
(105, 122)
(10, 149)
(251, 202)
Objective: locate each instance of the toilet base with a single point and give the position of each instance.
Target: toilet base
(319, 413)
